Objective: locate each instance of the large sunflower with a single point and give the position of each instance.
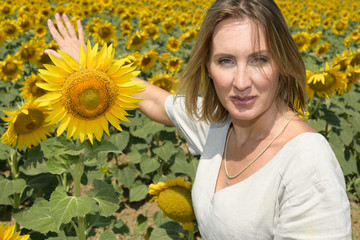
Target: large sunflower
(105, 33)
(174, 198)
(7, 233)
(340, 26)
(29, 52)
(10, 28)
(28, 126)
(84, 98)
(325, 83)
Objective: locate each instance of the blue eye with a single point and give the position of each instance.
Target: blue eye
(259, 60)
(225, 61)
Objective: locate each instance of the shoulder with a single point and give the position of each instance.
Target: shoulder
(309, 161)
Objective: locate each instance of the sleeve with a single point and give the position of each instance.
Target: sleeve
(195, 132)
(314, 204)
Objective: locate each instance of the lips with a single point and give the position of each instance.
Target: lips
(243, 100)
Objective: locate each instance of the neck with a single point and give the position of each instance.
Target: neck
(262, 127)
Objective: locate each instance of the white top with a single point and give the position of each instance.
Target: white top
(299, 194)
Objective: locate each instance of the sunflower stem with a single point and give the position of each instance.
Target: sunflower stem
(77, 177)
(190, 235)
(14, 168)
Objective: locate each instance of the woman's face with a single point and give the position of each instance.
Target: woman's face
(243, 72)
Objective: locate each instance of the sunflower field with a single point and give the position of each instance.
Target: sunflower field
(76, 155)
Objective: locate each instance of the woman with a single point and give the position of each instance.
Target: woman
(263, 173)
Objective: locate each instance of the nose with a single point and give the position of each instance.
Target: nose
(242, 78)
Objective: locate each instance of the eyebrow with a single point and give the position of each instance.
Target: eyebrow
(251, 55)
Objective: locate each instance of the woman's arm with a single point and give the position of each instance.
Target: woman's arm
(153, 104)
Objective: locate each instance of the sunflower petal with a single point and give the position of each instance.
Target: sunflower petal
(64, 124)
(61, 64)
(82, 56)
(69, 60)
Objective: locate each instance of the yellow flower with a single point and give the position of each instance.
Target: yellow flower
(168, 25)
(325, 83)
(352, 77)
(174, 199)
(326, 23)
(323, 48)
(126, 26)
(174, 64)
(40, 31)
(7, 233)
(29, 52)
(6, 9)
(165, 81)
(137, 40)
(148, 60)
(355, 34)
(315, 39)
(189, 36)
(302, 40)
(339, 26)
(27, 126)
(10, 69)
(24, 22)
(91, 26)
(10, 28)
(84, 98)
(152, 31)
(173, 44)
(105, 33)
(30, 91)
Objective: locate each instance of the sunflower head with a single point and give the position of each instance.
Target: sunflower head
(165, 81)
(27, 126)
(30, 91)
(340, 26)
(137, 40)
(7, 233)
(173, 44)
(85, 98)
(174, 199)
(302, 40)
(11, 68)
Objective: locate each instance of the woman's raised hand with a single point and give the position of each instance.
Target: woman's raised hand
(66, 37)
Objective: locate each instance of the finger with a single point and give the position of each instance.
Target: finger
(52, 52)
(80, 31)
(54, 33)
(64, 33)
(69, 26)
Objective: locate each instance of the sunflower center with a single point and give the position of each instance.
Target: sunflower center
(176, 204)
(27, 123)
(88, 94)
(36, 91)
(137, 40)
(339, 26)
(104, 32)
(146, 60)
(27, 53)
(9, 68)
(9, 29)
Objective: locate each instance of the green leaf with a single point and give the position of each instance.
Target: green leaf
(97, 154)
(346, 134)
(58, 146)
(38, 217)
(148, 128)
(107, 235)
(64, 207)
(165, 151)
(4, 151)
(148, 164)
(141, 223)
(125, 176)
(9, 187)
(138, 191)
(318, 125)
(135, 156)
(120, 227)
(59, 164)
(348, 166)
(120, 140)
(167, 231)
(35, 163)
(104, 194)
(181, 165)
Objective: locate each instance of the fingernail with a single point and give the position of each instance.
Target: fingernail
(57, 14)
(64, 15)
(46, 52)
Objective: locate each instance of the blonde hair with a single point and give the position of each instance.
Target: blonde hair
(266, 14)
